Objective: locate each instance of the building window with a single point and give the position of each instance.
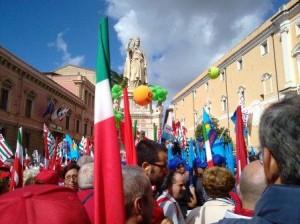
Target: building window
(5, 88)
(224, 103)
(67, 122)
(298, 28)
(77, 126)
(29, 103)
(3, 131)
(208, 106)
(241, 95)
(26, 140)
(222, 76)
(264, 48)
(86, 97)
(267, 83)
(28, 107)
(206, 86)
(92, 129)
(240, 64)
(93, 100)
(4, 99)
(85, 129)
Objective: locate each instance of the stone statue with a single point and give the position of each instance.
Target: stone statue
(135, 68)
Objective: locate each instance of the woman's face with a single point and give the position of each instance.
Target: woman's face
(137, 42)
(71, 179)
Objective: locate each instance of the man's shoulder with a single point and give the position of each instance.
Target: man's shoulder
(254, 220)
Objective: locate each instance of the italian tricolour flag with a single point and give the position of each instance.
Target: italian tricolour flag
(109, 202)
(17, 170)
(205, 129)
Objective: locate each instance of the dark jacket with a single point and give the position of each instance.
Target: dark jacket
(278, 204)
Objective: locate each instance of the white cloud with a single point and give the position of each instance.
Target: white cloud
(61, 45)
(183, 38)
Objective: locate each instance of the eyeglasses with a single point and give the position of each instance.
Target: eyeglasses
(260, 156)
(73, 177)
(162, 166)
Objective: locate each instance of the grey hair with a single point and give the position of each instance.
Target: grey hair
(84, 159)
(135, 184)
(86, 176)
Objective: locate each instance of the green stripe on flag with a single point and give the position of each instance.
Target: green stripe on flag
(103, 56)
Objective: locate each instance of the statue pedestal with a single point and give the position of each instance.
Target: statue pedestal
(146, 116)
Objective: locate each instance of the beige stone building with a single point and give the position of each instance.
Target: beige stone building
(263, 68)
(25, 94)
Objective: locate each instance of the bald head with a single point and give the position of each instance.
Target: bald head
(252, 184)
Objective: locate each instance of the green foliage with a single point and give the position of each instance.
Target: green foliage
(220, 131)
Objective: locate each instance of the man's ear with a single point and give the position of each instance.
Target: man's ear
(271, 167)
(238, 190)
(146, 167)
(138, 205)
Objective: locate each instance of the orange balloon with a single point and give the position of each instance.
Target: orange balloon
(142, 95)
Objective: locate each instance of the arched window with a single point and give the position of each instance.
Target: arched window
(224, 103)
(241, 95)
(296, 54)
(267, 84)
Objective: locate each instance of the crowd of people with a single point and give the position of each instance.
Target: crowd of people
(157, 190)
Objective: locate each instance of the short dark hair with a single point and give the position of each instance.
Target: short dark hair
(169, 179)
(70, 166)
(147, 151)
(279, 132)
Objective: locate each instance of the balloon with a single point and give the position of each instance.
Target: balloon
(213, 72)
(118, 115)
(142, 95)
(116, 91)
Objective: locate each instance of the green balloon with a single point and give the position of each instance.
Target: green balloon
(213, 72)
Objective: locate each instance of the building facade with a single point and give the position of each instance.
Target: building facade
(263, 68)
(25, 95)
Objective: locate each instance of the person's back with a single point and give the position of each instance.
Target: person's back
(217, 182)
(86, 189)
(279, 138)
(43, 204)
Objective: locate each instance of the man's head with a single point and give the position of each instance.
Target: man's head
(153, 159)
(86, 176)
(252, 184)
(279, 137)
(218, 182)
(175, 184)
(138, 195)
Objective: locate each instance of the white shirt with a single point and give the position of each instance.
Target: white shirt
(171, 208)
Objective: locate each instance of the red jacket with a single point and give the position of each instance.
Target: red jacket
(86, 197)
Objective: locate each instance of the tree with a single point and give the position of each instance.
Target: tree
(220, 131)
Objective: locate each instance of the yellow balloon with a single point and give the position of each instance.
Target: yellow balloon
(142, 95)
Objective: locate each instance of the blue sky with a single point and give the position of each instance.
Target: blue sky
(180, 38)
(26, 29)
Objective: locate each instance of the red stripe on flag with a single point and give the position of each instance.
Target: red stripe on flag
(5, 149)
(210, 164)
(241, 150)
(128, 136)
(109, 201)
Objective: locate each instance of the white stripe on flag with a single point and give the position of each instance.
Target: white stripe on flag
(103, 109)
